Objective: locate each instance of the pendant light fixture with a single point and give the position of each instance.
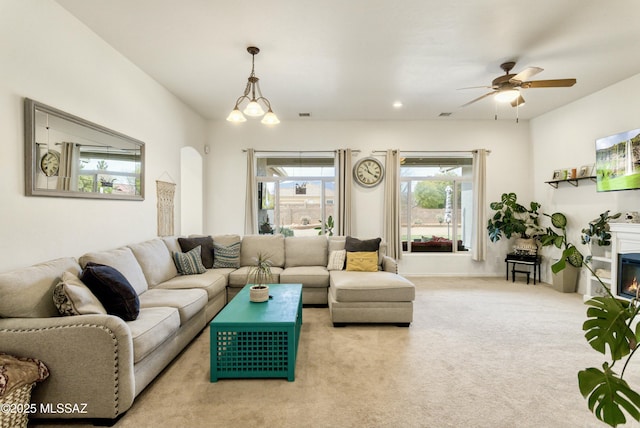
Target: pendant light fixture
(253, 109)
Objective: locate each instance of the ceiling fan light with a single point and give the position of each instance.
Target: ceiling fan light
(253, 109)
(518, 102)
(270, 118)
(236, 116)
(507, 95)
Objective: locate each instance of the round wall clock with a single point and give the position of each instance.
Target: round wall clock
(368, 172)
(50, 163)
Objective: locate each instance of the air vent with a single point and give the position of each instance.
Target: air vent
(304, 114)
(445, 114)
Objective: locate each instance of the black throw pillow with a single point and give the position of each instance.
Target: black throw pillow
(356, 245)
(112, 289)
(206, 244)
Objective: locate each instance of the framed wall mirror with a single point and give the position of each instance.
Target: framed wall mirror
(67, 156)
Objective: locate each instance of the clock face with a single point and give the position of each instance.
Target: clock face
(368, 172)
(50, 163)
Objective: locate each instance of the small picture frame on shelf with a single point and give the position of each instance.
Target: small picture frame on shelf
(558, 175)
(585, 171)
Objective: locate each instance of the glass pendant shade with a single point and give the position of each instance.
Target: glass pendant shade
(270, 118)
(253, 109)
(236, 116)
(507, 95)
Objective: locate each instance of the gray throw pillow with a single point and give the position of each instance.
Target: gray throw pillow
(206, 244)
(189, 263)
(226, 256)
(359, 245)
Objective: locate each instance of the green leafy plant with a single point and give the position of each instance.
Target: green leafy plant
(598, 230)
(559, 240)
(260, 274)
(611, 330)
(512, 218)
(328, 227)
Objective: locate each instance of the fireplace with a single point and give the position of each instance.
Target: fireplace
(628, 274)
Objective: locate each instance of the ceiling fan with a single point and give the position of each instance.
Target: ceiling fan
(507, 88)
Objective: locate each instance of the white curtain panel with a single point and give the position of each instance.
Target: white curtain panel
(166, 195)
(345, 183)
(479, 236)
(251, 196)
(392, 204)
(68, 171)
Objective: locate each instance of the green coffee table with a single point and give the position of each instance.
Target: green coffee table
(257, 340)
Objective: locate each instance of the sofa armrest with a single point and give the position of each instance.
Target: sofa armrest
(389, 264)
(90, 360)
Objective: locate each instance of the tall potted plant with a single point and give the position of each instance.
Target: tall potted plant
(565, 270)
(260, 276)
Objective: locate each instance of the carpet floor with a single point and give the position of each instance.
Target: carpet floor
(481, 352)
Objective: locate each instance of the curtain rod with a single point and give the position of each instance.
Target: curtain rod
(383, 152)
(300, 151)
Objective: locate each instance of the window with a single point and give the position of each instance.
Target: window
(436, 194)
(296, 193)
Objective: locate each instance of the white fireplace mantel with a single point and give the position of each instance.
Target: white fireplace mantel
(625, 239)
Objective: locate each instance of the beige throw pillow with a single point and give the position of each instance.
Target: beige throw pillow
(72, 297)
(336, 260)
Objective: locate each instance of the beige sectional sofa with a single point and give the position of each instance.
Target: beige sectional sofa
(104, 362)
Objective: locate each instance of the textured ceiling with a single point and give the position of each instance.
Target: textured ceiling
(351, 59)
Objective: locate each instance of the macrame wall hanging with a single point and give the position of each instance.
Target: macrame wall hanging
(166, 193)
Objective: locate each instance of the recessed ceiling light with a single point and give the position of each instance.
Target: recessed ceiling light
(445, 114)
(304, 114)
(397, 104)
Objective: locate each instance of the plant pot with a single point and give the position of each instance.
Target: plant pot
(566, 280)
(259, 293)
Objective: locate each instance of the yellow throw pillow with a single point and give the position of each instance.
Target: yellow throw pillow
(362, 261)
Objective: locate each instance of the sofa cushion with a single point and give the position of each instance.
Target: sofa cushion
(362, 261)
(370, 287)
(155, 260)
(239, 277)
(339, 243)
(308, 276)
(172, 243)
(189, 263)
(305, 251)
(72, 297)
(269, 245)
(123, 260)
(26, 292)
(152, 328)
(210, 281)
(206, 244)
(226, 256)
(112, 289)
(188, 302)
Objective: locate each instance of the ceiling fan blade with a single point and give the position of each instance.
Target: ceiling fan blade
(526, 74)
(557, 83)
(478, 99)
(476, 87)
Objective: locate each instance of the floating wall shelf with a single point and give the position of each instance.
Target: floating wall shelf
(572, 181)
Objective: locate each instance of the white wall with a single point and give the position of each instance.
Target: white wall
(49, 56)
(566, 138)
(508, 170)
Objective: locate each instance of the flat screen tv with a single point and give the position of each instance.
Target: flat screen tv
(618, 161)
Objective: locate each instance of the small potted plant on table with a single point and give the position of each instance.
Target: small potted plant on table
(260, 276)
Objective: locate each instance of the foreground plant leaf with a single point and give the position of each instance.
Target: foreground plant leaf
(606, 394)
(606, 325)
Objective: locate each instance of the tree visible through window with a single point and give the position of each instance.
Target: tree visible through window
(436, 203)
(296, 193)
